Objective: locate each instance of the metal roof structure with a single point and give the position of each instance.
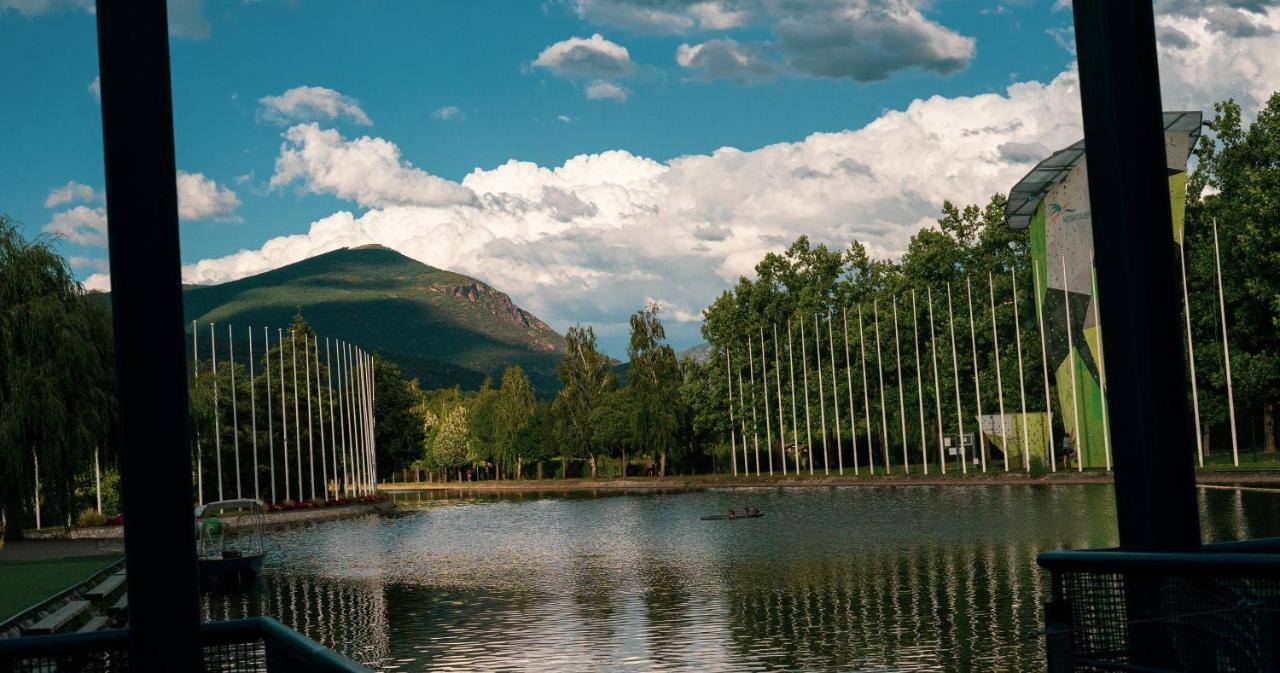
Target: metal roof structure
(1026, 196)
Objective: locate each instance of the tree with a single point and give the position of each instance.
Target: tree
(451, 441)
(612, 427)
(398, 430)
(57, 398)
(515, 410)
(653, 378)
(584, 373)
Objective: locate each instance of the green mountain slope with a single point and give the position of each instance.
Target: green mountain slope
(444, 328)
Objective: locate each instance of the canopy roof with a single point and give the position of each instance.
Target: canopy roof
(1026, 196)
(220, 506)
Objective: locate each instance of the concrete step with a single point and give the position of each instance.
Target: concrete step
(59, 619)
(95, 624)
(120, 608)
(106, 590)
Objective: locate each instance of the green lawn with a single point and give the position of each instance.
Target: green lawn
(27, 582)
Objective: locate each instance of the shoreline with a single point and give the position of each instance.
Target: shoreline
(697, 483)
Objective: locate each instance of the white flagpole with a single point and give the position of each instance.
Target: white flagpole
(822, 405)
(297, 415)
(733, 438)
(1226, 351)
(808, 424)
(217, 428)
(35, 459)
(777, 377)
(324, 458)
(235, 419)
(97, 478)
(902, 404)
(373, 436)
(1191, 349)
(884, 415)
(768, 424)
(977, 382)
(311, 448)
(253, 419)
(284, 417)
(866, 397)
(742, 418)
(1102, 376)
(1071, 364)
(755, 417)
(937, 390)
(342, 422)
(1022, 386)
(358, 375)
(353, 423)
(195, 377)
(995, 339)
(835, 393)
(1044, 361)
(333, 435)
(271, 433)
(915, 341)
(955, 371)
(795, 427)
(848, 380)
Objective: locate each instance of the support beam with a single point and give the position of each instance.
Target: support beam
(1129, 195)
(146, 300)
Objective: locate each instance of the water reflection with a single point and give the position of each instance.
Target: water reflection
(886, 579)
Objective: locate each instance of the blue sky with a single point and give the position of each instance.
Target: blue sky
(459, 87)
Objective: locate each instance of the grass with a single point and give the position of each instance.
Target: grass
(28, 582)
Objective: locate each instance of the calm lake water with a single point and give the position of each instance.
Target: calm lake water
(845, 579)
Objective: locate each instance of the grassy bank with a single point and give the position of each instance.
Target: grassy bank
(28, 582)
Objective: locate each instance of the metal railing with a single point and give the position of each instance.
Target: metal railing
(256, 645)
(1213, 610)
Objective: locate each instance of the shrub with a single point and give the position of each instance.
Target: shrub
(90, 517)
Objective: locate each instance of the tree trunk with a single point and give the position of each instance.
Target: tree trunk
(12, 521)
(591, 457)
(1269, 427)
(662, 465)
(519, 467)
(564, 467)
(624, 463)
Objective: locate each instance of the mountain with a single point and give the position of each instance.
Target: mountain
(441, 327)
(700, 353)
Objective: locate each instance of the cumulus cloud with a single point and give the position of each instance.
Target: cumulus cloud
(200, 198)
(586, 57)
(95, 89)
(1200, 67)
(311, 103)
(186, 19)
(861, 40)
(38, 7)
(366, 170)
(605, 90)
(72, 192)
(447, 112)
(82, 225)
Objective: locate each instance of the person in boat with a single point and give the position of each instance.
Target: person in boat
(733, 514)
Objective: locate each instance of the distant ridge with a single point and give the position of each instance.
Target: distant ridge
(442, 327)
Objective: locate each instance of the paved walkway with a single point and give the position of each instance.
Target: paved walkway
(39, 550)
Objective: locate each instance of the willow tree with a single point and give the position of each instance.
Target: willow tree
(586, 377)
(57, 400)
(654, 380)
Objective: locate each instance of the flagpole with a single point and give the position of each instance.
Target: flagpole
(353, 423)
(297, 415)
(777, 377)
(822, 405)
(768, 424)
(755, 417)
(284, 416)
(217, 427)
(835, 393)
(915, 341)
(1102, 369)
(1022, 386)
(1191, 349)
(271, 433)
(902, 404)
(235, 420)
(795, 427)
(1044, 359)
(333, 435)
(195, 378)
(97, 478)
(955, 371)
(1071, 364)
(1226, 351)
(995, 339)
(35, 459)
(937, 389)
(342, 422)
(866, 397)
(733, 438)
(324, 459)
(253, 420)
(848, 380)
(808, 424)
(311, 448)
(884, 414)
(977, 381)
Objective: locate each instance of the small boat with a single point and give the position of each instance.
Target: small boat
(723, 517)
(230, 543)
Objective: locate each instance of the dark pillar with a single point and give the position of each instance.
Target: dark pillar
(142, 212)
(1151, 425)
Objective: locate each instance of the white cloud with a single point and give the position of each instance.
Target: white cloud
(72, 192)
(38, 7)
(586, 57)
(95, 89)
(311, 103)
(186, 19)
(100, 282)
(1199, 67)
(200, 198)
(605, 90)
(726, 59)
(366, 170)
(448, 112)
(566, 119)
(81, 225)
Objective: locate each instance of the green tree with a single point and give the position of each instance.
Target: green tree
(612, 426)
(515, 412)
(654, 380)
(584, 372)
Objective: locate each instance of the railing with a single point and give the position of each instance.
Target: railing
(1215, 610)
(259, 644)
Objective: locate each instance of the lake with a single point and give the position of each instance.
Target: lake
(912, 578)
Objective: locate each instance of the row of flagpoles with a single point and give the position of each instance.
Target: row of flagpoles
(347, 459)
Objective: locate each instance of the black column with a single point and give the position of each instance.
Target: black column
(142, 213)
(1151, 425)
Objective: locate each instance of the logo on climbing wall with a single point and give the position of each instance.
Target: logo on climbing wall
(1058, 213)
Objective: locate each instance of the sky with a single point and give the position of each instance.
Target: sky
(584, 156)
